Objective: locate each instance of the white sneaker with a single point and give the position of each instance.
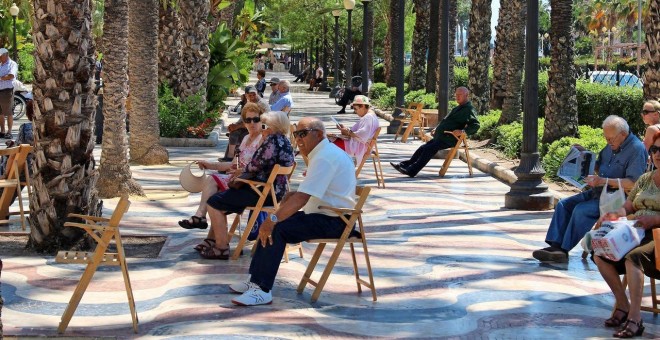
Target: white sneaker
(254, 297)
(242, 287)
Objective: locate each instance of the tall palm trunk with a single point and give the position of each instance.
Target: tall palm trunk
(194, 35)
(453, 13)
(387, 53)
(420, 44)
(169, 46)
(143, 65)
(515, 53)
(226, 15)
(432, 64)
(114, 173)
(652, 29)
(64, 177)
(479, 54)
(500, 61)
(561, 117)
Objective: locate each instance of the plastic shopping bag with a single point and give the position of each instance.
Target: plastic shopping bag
(611, 201)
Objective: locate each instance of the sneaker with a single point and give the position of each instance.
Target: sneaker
(551, 254)
(8, 135)
(242, 287)
(254, 297)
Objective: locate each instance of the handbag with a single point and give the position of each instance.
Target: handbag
(189, 181)
(234, 184)
(611, 201)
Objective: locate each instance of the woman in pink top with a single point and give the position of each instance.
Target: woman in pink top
(356, 139)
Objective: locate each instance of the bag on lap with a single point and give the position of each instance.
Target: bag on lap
(614, 239)
(611, 201)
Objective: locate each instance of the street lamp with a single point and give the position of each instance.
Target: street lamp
(13, 10)
(336, 13)
(349, 5)
(365, 49)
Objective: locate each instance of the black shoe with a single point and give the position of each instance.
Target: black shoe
(397, 166)
(310, 89)
(401, 169)
(341, 111)
(551, 254)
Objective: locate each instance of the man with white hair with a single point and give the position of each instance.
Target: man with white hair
(622, 161)
(285, 100)
(8, 72)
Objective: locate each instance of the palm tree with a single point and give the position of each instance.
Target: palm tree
(143, 65)
(194, 36)
(221, 11)
(432, 64)
(500, 61)
(64, 178)
(114, 173)
(515, 54)
(169, 46)
(420, 44)
(652, 29)
(479, 54)
(561, 117)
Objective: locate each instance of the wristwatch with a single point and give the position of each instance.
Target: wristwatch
(273, 218)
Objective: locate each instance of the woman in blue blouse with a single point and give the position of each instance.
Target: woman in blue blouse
(275, 149)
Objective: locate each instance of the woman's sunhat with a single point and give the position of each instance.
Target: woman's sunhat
(361, 100)
(189, 181)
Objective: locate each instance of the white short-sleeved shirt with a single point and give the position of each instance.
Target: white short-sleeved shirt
(330, 179)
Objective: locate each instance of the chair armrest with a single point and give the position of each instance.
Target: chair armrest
(247, 181)
(90, 218)
(340, 211)
(85, 226)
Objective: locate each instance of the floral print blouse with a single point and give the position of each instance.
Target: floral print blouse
(275, 149)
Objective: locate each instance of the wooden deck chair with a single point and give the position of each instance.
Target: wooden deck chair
(264, 190)
(11, 181)
(412, 117)
(103, 231)
(355, 216)
(461, 142)
(372, 153)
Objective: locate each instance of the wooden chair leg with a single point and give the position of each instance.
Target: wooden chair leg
(355, 269)
(234, 226)
(20, 206)
(328, 269)
(310, 268)
(243, 240)
(448, 160)
(121, 256)
(467, 158)
(654, 298)
(372, 285)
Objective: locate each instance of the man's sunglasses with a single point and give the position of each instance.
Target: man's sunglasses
(653, 149)
(645, 112)
(302, 133)
(252, 119)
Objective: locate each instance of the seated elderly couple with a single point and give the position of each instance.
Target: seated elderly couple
(623, 158)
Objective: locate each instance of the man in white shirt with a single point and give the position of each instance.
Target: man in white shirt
(330, 181)
(8, 72)
(317, 80)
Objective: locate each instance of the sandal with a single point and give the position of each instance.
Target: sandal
(626, 332)
(207, 243)
(614, 321)
(197, 223)
(213, 253)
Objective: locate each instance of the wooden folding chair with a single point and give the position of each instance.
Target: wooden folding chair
(11, 181)
(461, 142)
(103, 231)
(412, 117)
(263, 189)
(372, 153)
(355, 216)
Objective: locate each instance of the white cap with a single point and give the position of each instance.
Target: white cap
(3, 51)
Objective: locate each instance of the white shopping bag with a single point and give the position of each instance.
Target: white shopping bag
(611, 201)
(614, 239)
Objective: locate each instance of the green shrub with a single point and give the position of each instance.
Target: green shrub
(378, 90)
(597, 101)
(590, 138)
(387, 99)
(487, 125)
(379, 73)
(508, 138)
(176, 116)
(26, 63)
(544, 63)
(584, 46)
(420, 96)
(460, 77)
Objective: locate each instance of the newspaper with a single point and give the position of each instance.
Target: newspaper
(334, 120)
(577, 165)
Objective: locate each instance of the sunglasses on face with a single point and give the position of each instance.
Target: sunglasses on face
(645, 112)
(302, 133)
(653, 149)
(252, 119)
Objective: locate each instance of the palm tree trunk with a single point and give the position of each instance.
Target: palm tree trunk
(64, 177)
(479, 55)
(226, 15)
(143, 55)
(169, 47)
(515, 54)
(652, 73)
(387, 53)
(420, 44)
(453, 13)
(114, 173)
(194, 35)
(432, 64)
(500, 61)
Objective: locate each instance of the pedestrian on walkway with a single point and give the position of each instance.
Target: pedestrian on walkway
(8, 72)
(285, 100)
(274, 94)
(462, 118)
(261, 82)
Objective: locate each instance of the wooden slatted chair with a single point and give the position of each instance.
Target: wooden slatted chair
(103, 231)
(461, 142)
(355, 216)
(412, 117)
(372, 153)
(11, 181)
(264, 190)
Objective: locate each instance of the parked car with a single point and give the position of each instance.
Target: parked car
(610, 78)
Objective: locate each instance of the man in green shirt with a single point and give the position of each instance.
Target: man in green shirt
(462, 118)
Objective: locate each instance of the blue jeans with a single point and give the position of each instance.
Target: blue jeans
(573, 218)
(297, 228)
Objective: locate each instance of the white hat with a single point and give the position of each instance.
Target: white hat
(189, 181)
(3, 51)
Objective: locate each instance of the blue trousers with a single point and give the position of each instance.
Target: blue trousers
(297, 228)
(423, 155)
(573, 218)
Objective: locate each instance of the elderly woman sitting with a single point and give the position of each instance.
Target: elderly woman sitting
(274, 149)
(356, 139)
(644, 202)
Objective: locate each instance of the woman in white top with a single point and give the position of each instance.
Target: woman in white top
(356, 139)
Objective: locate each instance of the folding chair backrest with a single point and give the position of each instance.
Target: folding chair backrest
(12, 154)
(120, 210)
(367, 153)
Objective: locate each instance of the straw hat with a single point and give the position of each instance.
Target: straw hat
(189, 181)
(361, 100)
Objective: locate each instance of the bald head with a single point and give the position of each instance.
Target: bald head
(461, 95)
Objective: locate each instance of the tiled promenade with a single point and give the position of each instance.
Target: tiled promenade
(449, 262)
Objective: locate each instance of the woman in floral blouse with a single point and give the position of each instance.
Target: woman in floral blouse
(275, 149)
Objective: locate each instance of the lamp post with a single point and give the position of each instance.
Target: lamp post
(13, 10)
(349, 5)
(336, 13)
(324, 84)
(365, 49)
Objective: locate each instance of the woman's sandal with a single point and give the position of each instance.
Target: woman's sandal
(614, 321)
(213, 253)
(626, 332)
(197, 223)
(207, 243)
